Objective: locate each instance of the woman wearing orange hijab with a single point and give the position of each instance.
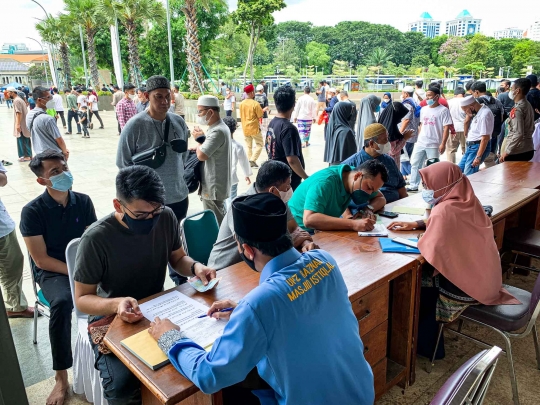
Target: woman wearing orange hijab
(463, 266)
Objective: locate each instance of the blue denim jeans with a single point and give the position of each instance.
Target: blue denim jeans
(470, 154)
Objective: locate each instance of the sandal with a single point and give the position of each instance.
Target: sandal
(6, 163)
(21, 159)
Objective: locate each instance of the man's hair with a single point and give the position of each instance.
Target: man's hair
(374, 139)
(372, 168)
(55, 90)
(84, 107)
(216, 109)
(222, 83)
(38, 92)
(141, 89)
(322, 82)
(307, 90)
(344, 93)
(116, 87)
(419, 83)
(231, 123)
(272, 173)
(272, 249)
(459, 90)
(479, 87)
(524, 84)
(67, 91)
(506, 81)
(177, 87)
(36, 164)
(139, 183)
(284, 98)
(469, 84)
(129, 86)
(434, 89)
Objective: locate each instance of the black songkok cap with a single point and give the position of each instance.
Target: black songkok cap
(260, 217)
(157, 82)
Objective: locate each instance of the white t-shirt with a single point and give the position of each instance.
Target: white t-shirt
(92, 99)
(458, 115)
(481, 124)
(433, 121)
(82, 101)
(421, 93)
(227, 103)
(58, 106)
(239, 156)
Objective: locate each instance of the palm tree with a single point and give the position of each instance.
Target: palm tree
(133, 13)
(58, 31)
(377, 59)
(193, 51)
(87, 14)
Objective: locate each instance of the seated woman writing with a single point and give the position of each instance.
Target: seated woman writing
(463, 266)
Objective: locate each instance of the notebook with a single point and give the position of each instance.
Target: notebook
(378, 230)
(389, 246)
(409, 210)
(145, 348)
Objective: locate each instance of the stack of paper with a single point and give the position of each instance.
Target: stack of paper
(409, 210)
(378, 230)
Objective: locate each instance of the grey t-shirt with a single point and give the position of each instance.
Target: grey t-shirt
(142, 133)
(225, 250)
(44, 131)
(216, 177)
(125, 264)
(321, 97)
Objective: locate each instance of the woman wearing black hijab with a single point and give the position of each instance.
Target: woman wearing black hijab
(340, 140)
(390, 118)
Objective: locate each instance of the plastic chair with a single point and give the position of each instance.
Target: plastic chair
(199, 233)
(470, 382)
(506, 320)
(86, 379)
(41, 306)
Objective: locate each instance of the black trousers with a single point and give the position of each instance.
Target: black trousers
(119, 129)
(180, 211)
(96, 113)
(73, 115)
(56, 289)
(520, 157)
(61, 114)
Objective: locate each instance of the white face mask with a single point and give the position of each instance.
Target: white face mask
(286, 195)
(511, 94)
(384, 148)
(202, 120)
(50, 105)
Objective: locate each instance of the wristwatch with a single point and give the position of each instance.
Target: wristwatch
(369, 207)
(193, 268)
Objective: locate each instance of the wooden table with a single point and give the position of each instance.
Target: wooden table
(520, 174)
(382, 291)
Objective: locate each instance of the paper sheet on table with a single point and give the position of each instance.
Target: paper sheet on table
(409, 210)
(378, 230)
(199, 286)
(184, 312)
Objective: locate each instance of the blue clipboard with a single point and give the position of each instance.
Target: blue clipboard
(389, 246)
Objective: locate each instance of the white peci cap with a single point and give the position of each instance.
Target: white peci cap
(465, 101)
(208, 101)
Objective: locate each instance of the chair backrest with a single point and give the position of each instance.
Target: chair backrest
(71, 252)
(199, 233)
(469, 384)
(535, 297)
(429, 162)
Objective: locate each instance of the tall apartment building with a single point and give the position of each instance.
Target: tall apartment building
(509, 33)
(426, 26)
(533, 32)
(464, 24)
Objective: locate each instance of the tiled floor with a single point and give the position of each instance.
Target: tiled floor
(92, 162)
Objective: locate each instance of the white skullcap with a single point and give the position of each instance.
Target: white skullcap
(465, 101)
(11, 88)
(408, 89)
(260, 87)
(208, 101)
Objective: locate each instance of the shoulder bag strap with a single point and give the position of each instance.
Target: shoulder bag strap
(167, 125)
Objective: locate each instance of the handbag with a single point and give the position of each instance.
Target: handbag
(154, 157)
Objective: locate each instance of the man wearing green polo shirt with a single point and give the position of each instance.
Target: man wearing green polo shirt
(321, 201)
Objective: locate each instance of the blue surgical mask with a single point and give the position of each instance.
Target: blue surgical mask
(378, 109)
(62, 181)
(429, 195)
(140, 226)
(430, 101)
(359, 196)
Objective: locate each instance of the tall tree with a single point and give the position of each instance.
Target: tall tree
(254, 16)
(87, 14)
(298, 31)
(452, 51)
(476, 50)
(132, 14)
(58, 31)
(317, 55)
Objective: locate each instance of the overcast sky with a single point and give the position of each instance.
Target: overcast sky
(19, 16)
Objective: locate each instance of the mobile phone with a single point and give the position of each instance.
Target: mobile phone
(388, 214)
(406, 242)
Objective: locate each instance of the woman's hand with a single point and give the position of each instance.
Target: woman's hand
(402, 226)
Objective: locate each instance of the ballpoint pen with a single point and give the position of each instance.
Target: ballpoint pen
(221, 310)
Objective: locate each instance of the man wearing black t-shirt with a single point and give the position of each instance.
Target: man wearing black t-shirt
(282, 138)
(48, 224)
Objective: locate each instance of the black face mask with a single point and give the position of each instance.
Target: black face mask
(249, 262)
(140, 226)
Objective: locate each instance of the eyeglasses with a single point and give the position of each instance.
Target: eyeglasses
(145, 215)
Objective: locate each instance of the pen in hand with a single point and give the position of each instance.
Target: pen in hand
(221, 310)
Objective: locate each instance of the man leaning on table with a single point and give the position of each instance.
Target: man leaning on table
(321, 201)
(297, 327)
(123, 258)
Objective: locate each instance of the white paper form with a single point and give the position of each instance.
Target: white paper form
(184, 312)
